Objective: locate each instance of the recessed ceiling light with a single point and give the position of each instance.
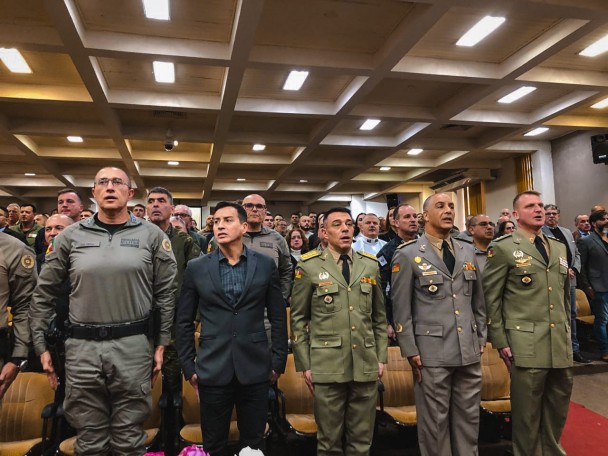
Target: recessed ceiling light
(600, 104)
(164, 72)
(241, 179)
(597, 48)
(369, 124)
(537, 131)
(172, 163)
(303, 181)
(176, 143)
(295, 80)
(157, 9)
(14, 61)
(258, 147)
(385, 168)
(75, 139)
(415, 151)
(517, 94)
(29, 174)
(480, 30)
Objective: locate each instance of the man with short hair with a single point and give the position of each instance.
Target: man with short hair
(4, 228)
(68, 204)
(527, 294)
(122, 273)
(305, 225)
(14, 211)
(405, 222)
(440, 321)
(594, 275)
(583, 227)
(281, 227)
(339, 339)
(277, 217)
(465, 234)
(368, 239)
(86, 213)
(295, 221)
(232, 288)
(183, 211)
(139, 211)
(597, 207)
(481, 230)
(552, 228)
(26, 225)
(269, 221)
(178, 224)
(317, 240)
(313, 221)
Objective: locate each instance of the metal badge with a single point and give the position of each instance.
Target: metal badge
(399, 328)
(518, 254)
(526, 280)
(324, 275)
(425, 266)
(417, 259)
(433, 289)
(328, 299)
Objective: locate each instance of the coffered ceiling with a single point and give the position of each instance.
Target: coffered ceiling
(395, 61)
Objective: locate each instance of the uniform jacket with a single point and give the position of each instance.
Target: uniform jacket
(385, 256)
(17, 280)
(114, 279)
(185, 248)
(338, 329)
(438, 315)
(571, 244)
(529, 301)
(594, 263)
(233, 340)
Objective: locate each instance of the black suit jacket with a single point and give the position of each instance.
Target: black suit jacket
(233, 340)
(594, 263)
(15, 234)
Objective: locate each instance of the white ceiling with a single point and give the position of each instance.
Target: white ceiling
(386, 59)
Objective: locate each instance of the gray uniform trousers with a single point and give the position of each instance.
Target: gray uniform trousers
(107, 395)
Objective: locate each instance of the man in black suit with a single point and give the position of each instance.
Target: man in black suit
(231, 287)
(593, 278)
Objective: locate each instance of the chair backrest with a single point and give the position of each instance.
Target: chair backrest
(298, 399)
(398, 380)
(583, 309)
(495, 379)
(20, 412)
(153, 420)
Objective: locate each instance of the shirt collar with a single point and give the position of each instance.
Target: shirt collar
(336, 255)
(223, 258)
(437, 242)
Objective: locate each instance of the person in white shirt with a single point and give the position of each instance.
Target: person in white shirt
(368, 240)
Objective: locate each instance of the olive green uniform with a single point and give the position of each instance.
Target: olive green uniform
(30, 235)
(339, 333)
(116, 279)
(528, 304)
(17, 280)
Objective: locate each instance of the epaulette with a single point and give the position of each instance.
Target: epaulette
(555, 239)
(407, 243)
(309, 255)
(502, 237)
(463, 240)
(368, 255)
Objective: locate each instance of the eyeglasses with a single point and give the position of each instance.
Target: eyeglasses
(484, 224)
(181, 215)
(551, 214)
(116, 181)
(251, 206)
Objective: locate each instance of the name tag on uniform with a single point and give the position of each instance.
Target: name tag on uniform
(382, 260)
(428, 273)
(268, 245)
(80, 245)
(129, 243)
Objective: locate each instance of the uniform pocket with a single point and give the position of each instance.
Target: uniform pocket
(525, 279)
(432, 286)
(326, 355)
(521, 338)
(365, 301)
(327, 297)
(429, 339)
(469, 277)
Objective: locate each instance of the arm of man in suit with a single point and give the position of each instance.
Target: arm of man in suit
(583, 278)
(301, 302)
(185, 314)
(402, 291)
(494, 279)
(379, 323)
(576, 262)
(277, 316)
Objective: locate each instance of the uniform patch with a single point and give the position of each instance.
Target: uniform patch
(267, 245)
(298, 273)
(382, 260)
(129, 243)
(395, 268)
(309, 255)
(526, 280)
(323, 275)
(328, 299)
(425, 266)
(368, 280)
(51, 246)
(27, 261)
(167, 245)
(490, 253)
(325, 284)
(468, 266)
(433, 289)
(417, 259)
(563, 262)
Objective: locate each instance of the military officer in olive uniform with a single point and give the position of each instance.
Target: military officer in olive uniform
(528, 297)
(440, 321)
(338, 322)
(17, 280)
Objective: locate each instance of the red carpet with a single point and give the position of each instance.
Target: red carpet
(586, 432)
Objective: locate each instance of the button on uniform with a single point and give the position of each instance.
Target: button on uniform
(460, 329)
(353, 327)
(551, 306)
(457, 312)
(552, 325)
(354, 346)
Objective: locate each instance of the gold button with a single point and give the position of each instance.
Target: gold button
(353, 327)
(459, 329)
(354, 346)
(325, 343)
(428, 332)
(454, 296)
(430, 281)
(348, 288)
(548, 270)
(553, 325)
(457, 312)
(326, 290)
(551, 307)
(350, 307)
(550, 289)
(517, 327)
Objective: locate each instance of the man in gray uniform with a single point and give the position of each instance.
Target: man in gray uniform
(17, 279)
(440, 320)
(121, 271)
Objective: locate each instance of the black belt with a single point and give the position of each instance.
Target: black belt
(5, 333)
(96, 332)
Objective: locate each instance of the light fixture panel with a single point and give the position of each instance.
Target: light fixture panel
(537, 131)
(295, 80)
(595, 49)
(14, 61)
(157, 9)
(415, 151)
(517, 94)
(164, 72)
(369, 124)
(480, 30)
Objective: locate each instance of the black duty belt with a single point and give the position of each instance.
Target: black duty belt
(99, 332)
(5, 333)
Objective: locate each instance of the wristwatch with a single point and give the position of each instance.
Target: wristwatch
(21, 363)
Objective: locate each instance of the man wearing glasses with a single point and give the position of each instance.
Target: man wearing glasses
(481, 229)
(121, 271)
(185, 213)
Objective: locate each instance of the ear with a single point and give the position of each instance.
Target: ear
(131, 194)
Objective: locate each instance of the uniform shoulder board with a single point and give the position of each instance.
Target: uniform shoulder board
(309, 255)
(555, 239)
(502, 237)
(407, 243)
(368, 255)
(466, 241)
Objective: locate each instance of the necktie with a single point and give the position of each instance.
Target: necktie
(538, 242)
(345, 269)
(448, 258)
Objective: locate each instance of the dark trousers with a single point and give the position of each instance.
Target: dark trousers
(217, 402)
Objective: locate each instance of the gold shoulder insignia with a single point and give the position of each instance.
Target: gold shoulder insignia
(368, 255)
(309, 255)
(407, 243)
(502, 237)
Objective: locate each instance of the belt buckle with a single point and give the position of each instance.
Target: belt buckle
(102, 333)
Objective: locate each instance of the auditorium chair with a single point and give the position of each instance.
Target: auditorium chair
(584, 317)
(396, 390)
(21, 420)
(495, 417)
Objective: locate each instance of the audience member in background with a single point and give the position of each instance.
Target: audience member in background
(295, 221)
(552, 228)
(183, 211)
(139, 211)
(358, 222)
(4, 228)
(313, 221)
(277, 217)
(281, 227)
(54, 225)
(368, 240)
(421, 223)
(465, 234)
(86, 213)
(269, 221)
(298, 244)
(207, 231)
(179, 224)
(390, 232)
(27, 226)
(406, 224)
(594, 275)
(583, 227)
(68, 204)
(40, 219)
(481, 229)
(316, 240)
(305, 225)
(597, 207)
(505, 228)
(14, 211)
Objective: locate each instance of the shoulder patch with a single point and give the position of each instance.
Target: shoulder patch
(407, 243)
(371, 256)
(309, 255)
(505, 236)
(28, 261)
(166, 245)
